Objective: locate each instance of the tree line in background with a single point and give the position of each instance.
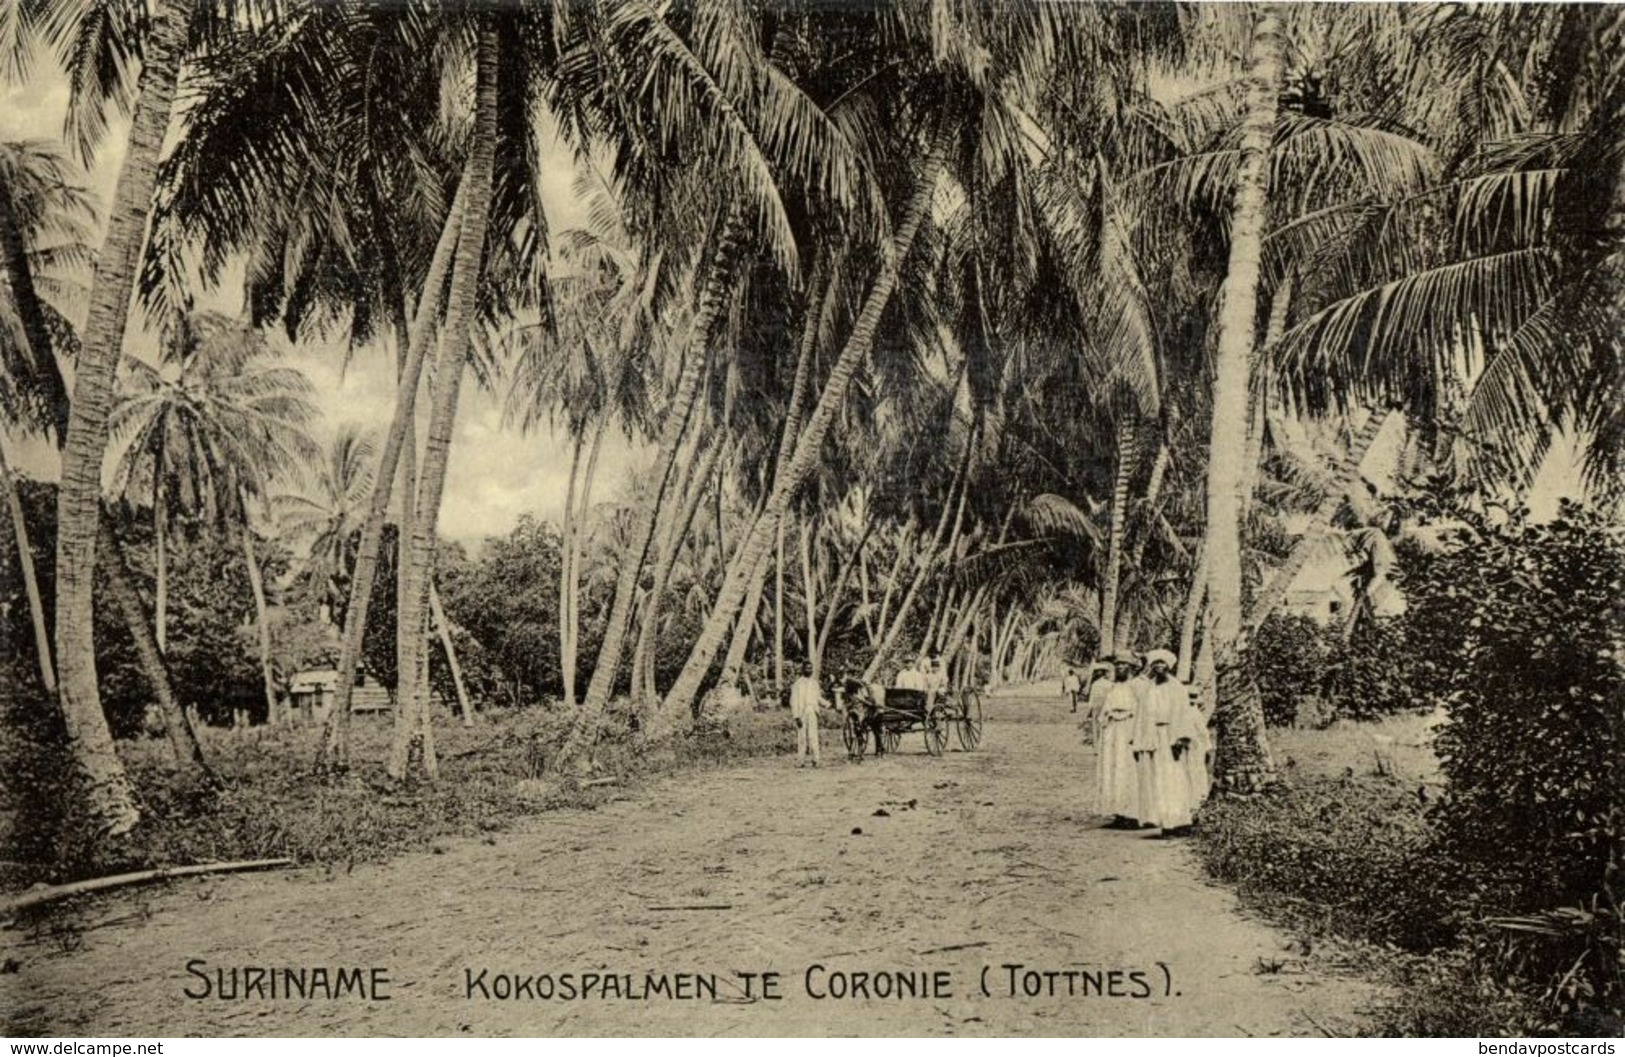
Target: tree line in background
(1016, 333)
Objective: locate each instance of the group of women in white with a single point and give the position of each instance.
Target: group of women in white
(1152, 740)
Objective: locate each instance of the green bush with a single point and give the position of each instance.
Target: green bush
(1288, 657)
(1369, 674)
(1519, 634)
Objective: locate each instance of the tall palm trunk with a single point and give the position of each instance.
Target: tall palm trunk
(1242, 761)
(700, 473)
(810, 443)
(177, 722)
(410, 674)
(745, 625)
(364, 570)
(567, 533)
(160, 551)
(843, 577)
(107, 788)
(713, 297)
(25, 563)
(941, 541)
(262, 623)
(570, 621)
(437, 613)
(1127, 447)
(1193, 610)
(1347, 470)
(778, 607)
(809, 594)
(412, 719)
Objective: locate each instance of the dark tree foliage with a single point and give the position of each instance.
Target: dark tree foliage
(1522, 635)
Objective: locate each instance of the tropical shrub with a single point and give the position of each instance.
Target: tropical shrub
(1520, 634)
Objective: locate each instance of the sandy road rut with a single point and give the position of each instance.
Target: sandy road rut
(1000, 861)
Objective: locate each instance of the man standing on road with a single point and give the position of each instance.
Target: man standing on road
(805, 699)
(1072, 686)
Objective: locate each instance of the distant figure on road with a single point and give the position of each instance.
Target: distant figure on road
(1072, 686)
(805, 698)
(1116, 706)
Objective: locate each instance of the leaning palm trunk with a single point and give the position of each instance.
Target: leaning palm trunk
(745, 625)
(1193, 610)
(809, 445)
(1126, 449)
(1242, 762)
(438, 613)
(713, 297)
(843, 577)
(336, 742)
(940, 541)
(262, 623)
(25, 562)
(567, 574)
(1348, 469)
(409, 673)
(177, 723)
(694, 491)
(109, 798)
(412, 720)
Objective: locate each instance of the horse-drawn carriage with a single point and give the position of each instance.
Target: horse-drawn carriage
(900, 711)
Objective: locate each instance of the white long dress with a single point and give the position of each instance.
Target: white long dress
(1166, 718)
(1118, 792)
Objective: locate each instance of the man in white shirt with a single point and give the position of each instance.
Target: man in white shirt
(805, 698)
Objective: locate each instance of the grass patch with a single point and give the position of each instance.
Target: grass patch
(273, 805)
(1348, 856)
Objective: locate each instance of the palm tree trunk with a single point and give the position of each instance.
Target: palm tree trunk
(810, 443)
(567, 574)
(25, 562)
(1242, 761)
(412, 720)
(1126, 449)
(809, 593)
(262, 624)
(842, 578)
(940, 541)
(745, 625)
(1193, 610)
(778, 607)
(700, 473)
(438, 613)
(336, 743)
(572, 617)
(160, 550)
(713, 297)
(1347, 471)
(177, 723)
(109, 797)
(410, 675)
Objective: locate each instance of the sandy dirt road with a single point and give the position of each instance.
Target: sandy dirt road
(1000, 861)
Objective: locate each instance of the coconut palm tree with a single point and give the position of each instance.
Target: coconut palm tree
(113, 55)
(45, 218)
(326, 513)
(208, 428)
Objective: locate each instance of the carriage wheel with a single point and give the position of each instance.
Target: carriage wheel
(970, 720)
(936, 732)
(852, 735)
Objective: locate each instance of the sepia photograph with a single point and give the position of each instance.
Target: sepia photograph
(812, 518)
